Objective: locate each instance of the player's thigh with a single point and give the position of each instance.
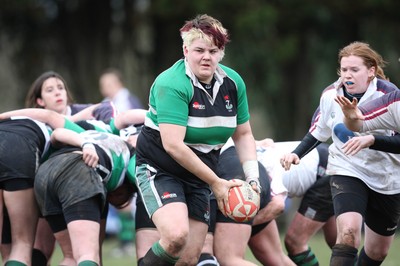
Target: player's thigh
(330, 231)
(377, 246)
(23, 213)
(230, 239)
(178, 219)
(303, 228)
(266, 240)
(84, 235)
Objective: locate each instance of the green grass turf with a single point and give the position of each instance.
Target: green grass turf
(317, 244)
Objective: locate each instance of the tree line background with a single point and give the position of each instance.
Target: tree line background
(286, 51)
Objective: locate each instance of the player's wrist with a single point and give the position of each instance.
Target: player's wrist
(251, 173)
(87, 144)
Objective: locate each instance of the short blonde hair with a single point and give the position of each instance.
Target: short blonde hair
(207, 28)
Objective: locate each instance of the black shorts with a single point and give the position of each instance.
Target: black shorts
(381, 212)
(143, 221)
(229, 167)
(161, 180)
(163, 189)
(87, 209)
(64, 180)
(19, 160)
(317, 203)
(255, 229)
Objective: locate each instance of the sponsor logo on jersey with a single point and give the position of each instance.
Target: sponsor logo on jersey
(167, 195)
(198, 106)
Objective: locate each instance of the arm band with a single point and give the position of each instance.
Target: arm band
(387, 143)
(307, 144)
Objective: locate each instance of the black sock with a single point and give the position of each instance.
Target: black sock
(38, 258)
(151, 259)
(140, 262)
(343, 255)
(364, 260)
(305, 258)
(207, 259)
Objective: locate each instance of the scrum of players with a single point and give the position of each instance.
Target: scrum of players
(64, 164)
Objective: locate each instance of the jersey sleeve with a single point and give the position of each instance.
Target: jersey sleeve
(382, 113)
(171, 104)
(114, 129)
(319, 128)
(72, 126)
(105, 112)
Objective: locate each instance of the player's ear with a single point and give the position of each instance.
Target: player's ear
(40, 102)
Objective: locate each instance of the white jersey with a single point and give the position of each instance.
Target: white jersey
(375, 168)
(294, 182)
(298, 179)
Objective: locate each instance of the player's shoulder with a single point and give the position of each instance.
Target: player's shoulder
(173, 77)
(385, 86)
(231, 73)
(330, 90)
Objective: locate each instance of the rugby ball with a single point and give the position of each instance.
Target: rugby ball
(243, 202)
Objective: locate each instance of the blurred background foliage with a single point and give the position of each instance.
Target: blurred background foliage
(286, 50)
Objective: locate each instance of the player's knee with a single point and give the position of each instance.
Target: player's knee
(290, 241)
(376, 253)
(349, 236)
(177, 240)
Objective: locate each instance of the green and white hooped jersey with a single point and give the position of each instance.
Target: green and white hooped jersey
(118, 152)
(177, 97)
(106, 136)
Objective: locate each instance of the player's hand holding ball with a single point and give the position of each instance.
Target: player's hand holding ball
(243, 202)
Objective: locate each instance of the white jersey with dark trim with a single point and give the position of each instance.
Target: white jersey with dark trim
(294, 182)
(383, 112)
(375, 168)
(298, 179)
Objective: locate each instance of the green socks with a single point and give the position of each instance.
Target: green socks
(127, 232)
(14, 263)
(87, 263)
(306, 258)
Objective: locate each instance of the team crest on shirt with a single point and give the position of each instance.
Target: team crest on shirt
(333, 114)
(228, 104)
(207, 216)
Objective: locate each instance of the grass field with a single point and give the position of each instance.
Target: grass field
(317, 244)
